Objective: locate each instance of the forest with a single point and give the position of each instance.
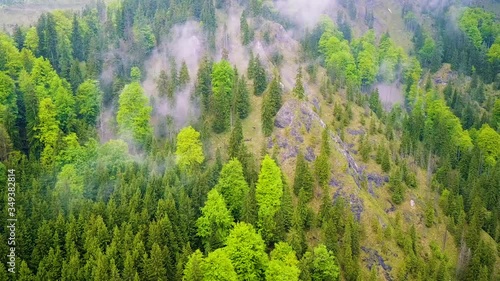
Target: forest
(200, 140)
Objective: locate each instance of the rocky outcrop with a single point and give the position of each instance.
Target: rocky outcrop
(374, 259)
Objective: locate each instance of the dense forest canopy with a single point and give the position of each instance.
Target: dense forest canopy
(252, 140)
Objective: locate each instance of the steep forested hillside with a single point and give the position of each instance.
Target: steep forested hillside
(252, 140)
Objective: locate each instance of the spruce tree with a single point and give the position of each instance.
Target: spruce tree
(303, 178)
(259, 77)
(298, 90)
(242, 99)
(183, 75)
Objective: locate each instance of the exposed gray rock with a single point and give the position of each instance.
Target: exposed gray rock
(375, 258)
(379, 180)
(284, 117)
(355, 202)
(292, 151)
(298, 137)
(269, 143)
(334, 183)
(315, 102)
(310, 156)
(282, 142)
(356, 132)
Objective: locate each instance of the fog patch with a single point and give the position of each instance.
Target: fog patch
(390, 94)
(305, 13)
(185, 44)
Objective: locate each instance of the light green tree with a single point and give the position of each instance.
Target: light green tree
(218, 267)
(268, 192)
(193, 270)
(134, 112)
(246, 249)
(222, 84)
(189, 151)
(233, 187)
(488, 142)
(324, 265)
(283, 265)
(215, 221)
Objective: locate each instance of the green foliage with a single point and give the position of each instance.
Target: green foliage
(215, 222)
(338, 57)
(322, 264)
(270, 105)
(390, 57)
(322, 168)
(477, 24)
(488, 142)
(283, 265)
(258, 74)
(367, 58)
(268, 192)
(298, 90)
(242, 99)
(193, 270)
(183, 75)
(247, 34)
(218, 267)
(303, 178)
(88, 101)
(396, 186)
(189, 151)
(233, 187)
(429, 215)
(222, 84)
(134, 113)
(246, 249)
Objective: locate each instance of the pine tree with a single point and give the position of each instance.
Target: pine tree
(298, 90)
(183, 75)
(268, 192)
(259, 77)
(215, 222)
(246, 33)
(193, 270)
(162, 83)
(233, 187)
(242, 98)
(236, 140)
(222, 83)
(155, 265)
(322, 168)
(173, 82)
(303, 178)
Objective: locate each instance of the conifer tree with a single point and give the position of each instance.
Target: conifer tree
(162, 83)
(298, 90)
(322, 168)
(222, 83)
(215, 222)
(268, 192)
(183, 75)
(303, 177)
(242, 98)
(193, 270)
(233, 187)
(258, 75)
